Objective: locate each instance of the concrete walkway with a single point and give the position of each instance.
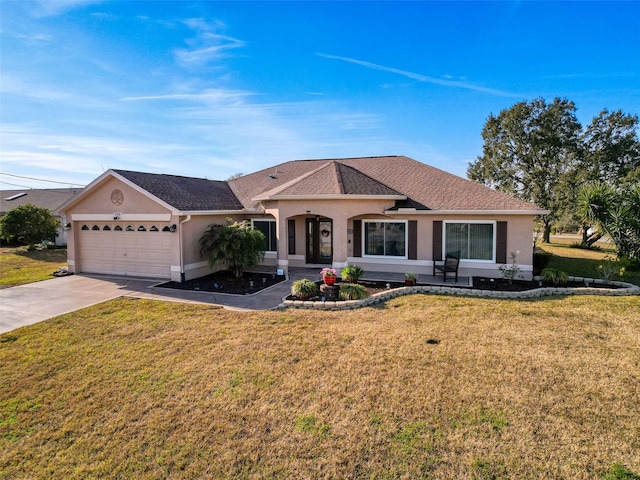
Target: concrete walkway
(35, 302)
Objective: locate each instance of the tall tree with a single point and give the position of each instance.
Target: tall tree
(611, 148)
(610, 156)
(28, 225)
(530, 151)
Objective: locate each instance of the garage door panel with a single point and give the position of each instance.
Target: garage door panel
(135, 253)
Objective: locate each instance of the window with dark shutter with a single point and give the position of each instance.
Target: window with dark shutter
(501, 242)
(413, 240)
(357, 238)
(291, 234)
(437, 240)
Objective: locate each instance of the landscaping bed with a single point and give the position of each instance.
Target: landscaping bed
(370, 286)
(224, 281)
(502, 285)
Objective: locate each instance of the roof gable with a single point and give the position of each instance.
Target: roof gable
(185, 193)
(329, 179)
(425, 187)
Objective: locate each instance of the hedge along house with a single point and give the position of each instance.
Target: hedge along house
(389, 213)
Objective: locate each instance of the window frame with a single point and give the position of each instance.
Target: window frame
(365, 221)
(271, 242)
(494, 238)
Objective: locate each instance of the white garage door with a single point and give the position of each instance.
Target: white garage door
(140, 249)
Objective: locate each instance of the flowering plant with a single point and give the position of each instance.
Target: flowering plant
(328, 272)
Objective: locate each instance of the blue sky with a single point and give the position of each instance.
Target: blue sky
(210, 89)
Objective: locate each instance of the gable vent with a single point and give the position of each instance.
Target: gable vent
(13, 197)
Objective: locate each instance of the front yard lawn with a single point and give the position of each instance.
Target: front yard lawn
(19, 266)
(422, 387)
(584, 263)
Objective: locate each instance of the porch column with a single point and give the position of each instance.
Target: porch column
(283, 243)
(340, 245)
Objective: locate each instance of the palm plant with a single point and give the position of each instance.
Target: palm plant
(616, 212)
(352, 273)
(237, 244)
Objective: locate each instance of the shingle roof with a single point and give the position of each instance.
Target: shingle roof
(330, 178)
(185, 193)
(426, 187)
(49, 198)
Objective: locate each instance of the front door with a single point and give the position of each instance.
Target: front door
(319, 240)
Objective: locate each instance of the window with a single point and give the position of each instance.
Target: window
(474, 240)
(166, 229)
(385, 238)
(118, 228)
(84, 227)
(129, 228)
(153, 228)
(142, 229)
(268, 229)
(95, 227)
(106, 228)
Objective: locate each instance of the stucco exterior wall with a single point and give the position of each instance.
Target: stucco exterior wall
(186, 262)
(96, 206)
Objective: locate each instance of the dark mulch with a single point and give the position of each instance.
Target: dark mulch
(225, 282)
(500, 284)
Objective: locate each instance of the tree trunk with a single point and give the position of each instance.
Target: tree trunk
(546, 235)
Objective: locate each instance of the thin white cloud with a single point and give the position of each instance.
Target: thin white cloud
(419, 77)
(215, 95)
(207, 46)
(48, 8)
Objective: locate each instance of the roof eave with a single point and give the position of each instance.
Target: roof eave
(102, 178)
(243, 211)
(343, 196)
(405, 211)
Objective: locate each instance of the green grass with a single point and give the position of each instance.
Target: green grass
(19, 266)
(583, 263)
(150, 390)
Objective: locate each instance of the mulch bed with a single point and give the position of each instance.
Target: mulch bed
(224, 281)
(500, 284)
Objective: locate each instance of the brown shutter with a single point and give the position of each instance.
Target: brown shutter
(437, 239)
(291, 233)
(501, 242)
(413, 240)
(357, 238)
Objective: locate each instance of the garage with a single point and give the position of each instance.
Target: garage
(131, 249)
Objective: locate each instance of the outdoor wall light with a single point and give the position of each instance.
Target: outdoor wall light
(67, 227)
(173, 228)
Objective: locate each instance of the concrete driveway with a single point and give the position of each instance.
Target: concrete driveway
(35, 302)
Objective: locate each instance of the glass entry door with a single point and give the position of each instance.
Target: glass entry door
(319, 240)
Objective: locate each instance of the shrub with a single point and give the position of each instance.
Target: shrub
(28, 225)
(352, 291)
(540, 260)
(305, 288)
(509, 272)
(609, 268)
(553, 275)
(352, 273)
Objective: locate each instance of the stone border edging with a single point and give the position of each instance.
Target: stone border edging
(626, 289)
